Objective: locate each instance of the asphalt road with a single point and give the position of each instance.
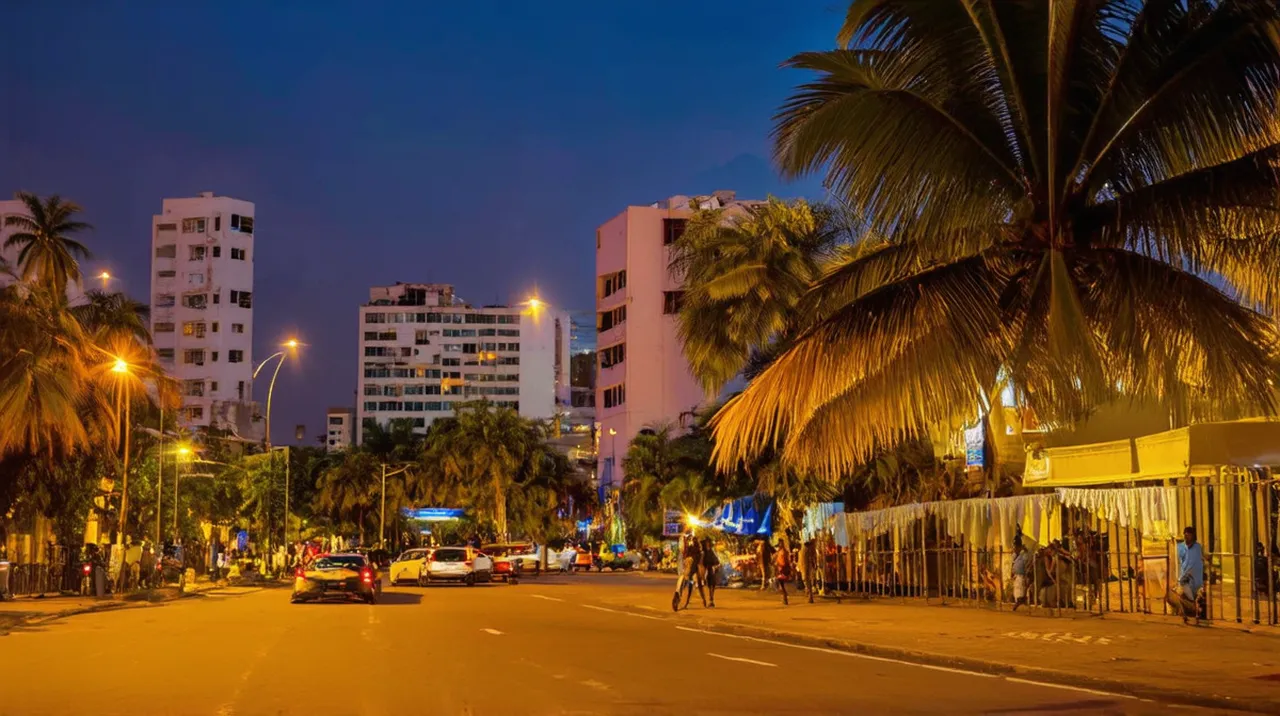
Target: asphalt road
(541, 647)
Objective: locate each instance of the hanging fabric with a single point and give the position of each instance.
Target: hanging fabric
(817, 517)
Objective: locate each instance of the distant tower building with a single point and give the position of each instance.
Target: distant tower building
(340, 429)
(643, 377)
(202, 252)
(422, 349)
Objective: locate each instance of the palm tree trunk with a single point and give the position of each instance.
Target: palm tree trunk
(500, 508)
(360, 512)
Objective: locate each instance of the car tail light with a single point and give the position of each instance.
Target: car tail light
(468, 563)
(367, 576)
(299, 573)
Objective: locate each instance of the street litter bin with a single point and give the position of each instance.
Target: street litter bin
(4, 581)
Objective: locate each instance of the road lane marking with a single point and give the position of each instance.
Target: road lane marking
(738, 658)
(645, 616)
(1065, 687)
(595, 685)
(494, 632)
(601, 609)
(837, 652)
(869, 657)
(543, 596)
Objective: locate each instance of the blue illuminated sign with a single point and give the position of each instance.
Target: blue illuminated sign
(433, 514)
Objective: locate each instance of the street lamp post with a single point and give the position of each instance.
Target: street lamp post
(121, 369)
(289, 346)
(382, 520)
(177, 466)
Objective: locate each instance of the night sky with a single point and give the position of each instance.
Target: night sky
(474, 143)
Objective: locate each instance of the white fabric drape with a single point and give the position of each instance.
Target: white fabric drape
(1154, 510)
(864, 525)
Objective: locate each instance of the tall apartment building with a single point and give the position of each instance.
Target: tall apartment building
(202, 307)
(339, 429)
(643, 378)
(422, 349)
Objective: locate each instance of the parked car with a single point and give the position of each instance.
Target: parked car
(457, 564)
(408, 567)
(344, 576)
(528, 557)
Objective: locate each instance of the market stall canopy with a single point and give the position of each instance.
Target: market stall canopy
(1191, 451)
(744, 516)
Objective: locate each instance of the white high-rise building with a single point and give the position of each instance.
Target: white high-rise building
(202, 307)
(422, 349)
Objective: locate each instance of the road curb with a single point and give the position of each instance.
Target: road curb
(918, 656)
(134, 600)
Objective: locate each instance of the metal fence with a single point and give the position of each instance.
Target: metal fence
(1091, 565)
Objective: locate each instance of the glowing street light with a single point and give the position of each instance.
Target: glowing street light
(104, 277)
(535, 304)
(290, 347)
(120, 366)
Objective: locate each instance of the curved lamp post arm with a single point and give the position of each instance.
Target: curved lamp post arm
(282, 355)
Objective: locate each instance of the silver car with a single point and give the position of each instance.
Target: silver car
(457, 564)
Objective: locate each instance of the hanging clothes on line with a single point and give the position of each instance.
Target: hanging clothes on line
(817, 517)
(1154, 510)
(864, 525)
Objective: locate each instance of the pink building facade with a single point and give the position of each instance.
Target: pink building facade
(643, 379)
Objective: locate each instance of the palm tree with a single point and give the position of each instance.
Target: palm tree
(1083, 201)
(114, 317)
(483, 452)
(744, 274)
(48, 252)
(347, 493)
(48, 397)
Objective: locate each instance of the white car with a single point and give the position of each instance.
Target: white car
(457, 564)
(409, 566)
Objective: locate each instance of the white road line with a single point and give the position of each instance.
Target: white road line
(644, 616)
(494, 632)
(1068, 688)
(543, 596)
(601, 609)
(932, 667)
(837, 652)
(737, 658)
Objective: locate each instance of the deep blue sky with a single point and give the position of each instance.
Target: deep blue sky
(475, 143)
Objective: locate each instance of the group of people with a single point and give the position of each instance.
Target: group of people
(699, 568)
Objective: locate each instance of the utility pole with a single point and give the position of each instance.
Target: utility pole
(382, 521)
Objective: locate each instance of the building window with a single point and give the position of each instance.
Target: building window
(195, 279)
(165, 353)
(243, 224)
(240, 389)
(235, 356)
(672, 301)
(612, 283)
(193, 328)
(672, 230)
(193, 388)
(164, 300)
(373, 390)
(193, 226)
(162, 328)
(379, 351)
(166, 227)
(217, 297)
(213, 387)
(193, 412)
(198, 300)
(615, 396)
(371, 406)
(168, 273)
(214, 357)
(608, 319)
(193, 356)
(613, 355)
(217, 223)
(244, 299)
(375, 318)
(196, 253)
(237, 328)
(597, 239)
(238, 254)
(217, 251)
(168, 251)
(513, 318)
(215, 327)
(335, 420)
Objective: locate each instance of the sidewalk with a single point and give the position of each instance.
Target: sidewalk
(1216, 667)
(34, 610)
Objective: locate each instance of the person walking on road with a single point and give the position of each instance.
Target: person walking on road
(764, 559)
(808, 567)
(690, 566)
(710, 567)
(782, 567)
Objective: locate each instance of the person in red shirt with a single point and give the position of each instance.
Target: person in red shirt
(782, 567)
